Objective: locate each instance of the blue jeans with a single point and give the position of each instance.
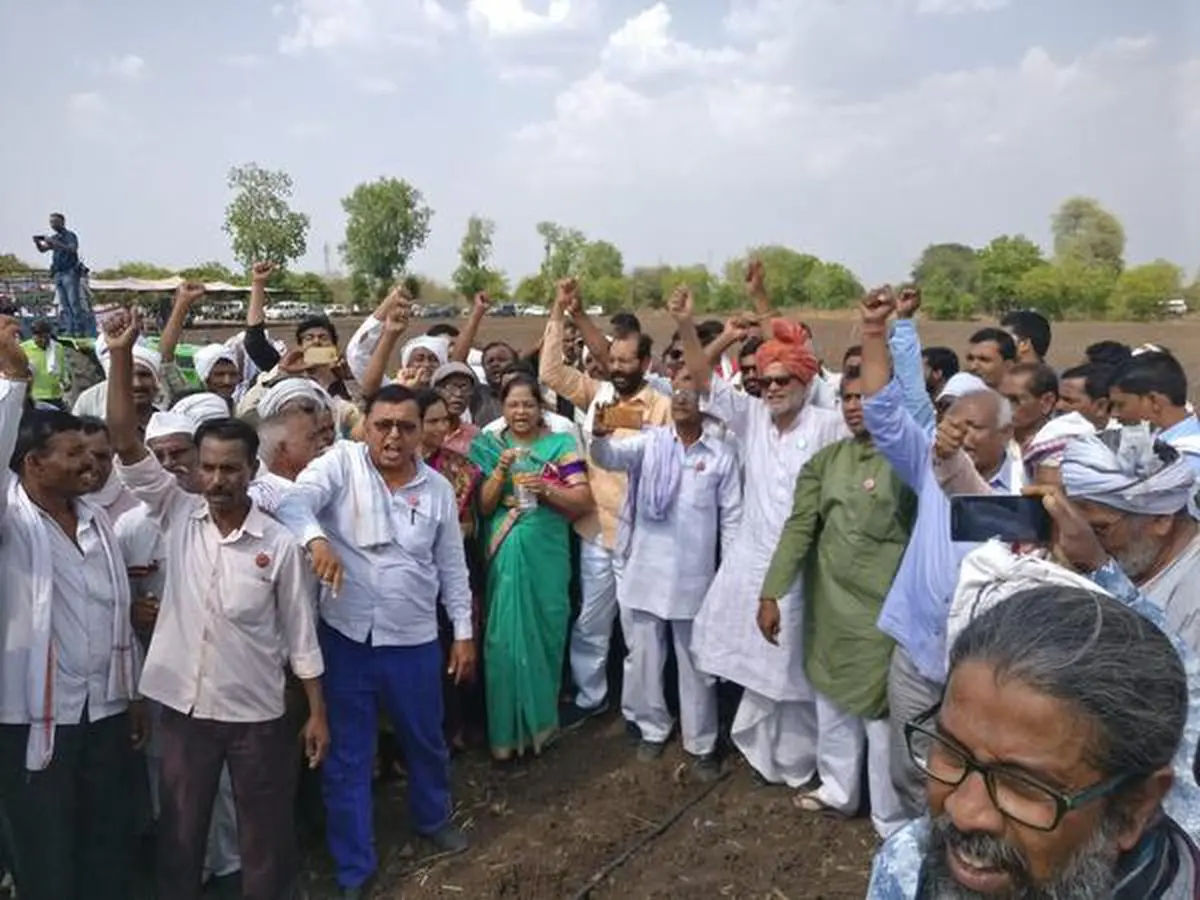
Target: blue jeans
(73, 312)
(407, 683)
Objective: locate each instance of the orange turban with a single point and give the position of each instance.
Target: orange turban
(789, 346)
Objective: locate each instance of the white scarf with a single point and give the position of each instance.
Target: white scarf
(52, 351)
(369, 497)
(123, 661)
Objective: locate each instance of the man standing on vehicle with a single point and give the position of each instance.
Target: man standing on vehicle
(68, 273)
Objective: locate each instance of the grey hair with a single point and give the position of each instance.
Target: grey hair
(1003, 409)
(1092, 652)
(273, 431)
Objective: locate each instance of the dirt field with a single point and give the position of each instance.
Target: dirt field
(544, 829)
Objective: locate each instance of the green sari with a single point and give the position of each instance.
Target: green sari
(527, 602)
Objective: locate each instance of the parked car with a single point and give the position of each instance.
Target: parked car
(505, 309)
(535, 311)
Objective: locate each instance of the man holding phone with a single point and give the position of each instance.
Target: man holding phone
(68, 275)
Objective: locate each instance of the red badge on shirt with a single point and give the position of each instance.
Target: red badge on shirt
(700, 466)
(414, 500)
(262, 560)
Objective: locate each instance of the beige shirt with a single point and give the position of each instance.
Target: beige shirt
(608, 488)
(235, 609)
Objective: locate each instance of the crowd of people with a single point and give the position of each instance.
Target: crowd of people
(211, 596)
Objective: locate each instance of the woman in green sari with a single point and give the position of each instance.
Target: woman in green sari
(535, 485)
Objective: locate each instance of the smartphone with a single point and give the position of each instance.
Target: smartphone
(614, 417)
(1007, 517)
(320, 356)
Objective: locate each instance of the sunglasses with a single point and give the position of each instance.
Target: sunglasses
(776, 380)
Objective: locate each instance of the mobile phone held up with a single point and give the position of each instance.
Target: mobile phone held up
(320, 356)
(1006, 517)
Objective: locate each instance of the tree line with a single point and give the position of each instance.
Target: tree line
(1084, 274)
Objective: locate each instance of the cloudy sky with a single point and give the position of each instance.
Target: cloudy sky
(860, 130)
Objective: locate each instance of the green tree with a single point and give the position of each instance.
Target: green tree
(1002, 265)
(608, 292)
(957, 264)
(386, 222)
(11, 264)
(600, 259)
(649, 286)
(1067, 288)
(563, 250)
(1139, 292)
(943, 298)
(134, 269)
(1088, 234)
(474, 253)
(307, 287)
(259, 219)
(831, 285)
(211, 271)
(534, 290)
(785, 273)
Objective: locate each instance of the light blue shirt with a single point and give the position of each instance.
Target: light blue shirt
(1187, 430)
(896, 871)
(917, 606)
(909, 370)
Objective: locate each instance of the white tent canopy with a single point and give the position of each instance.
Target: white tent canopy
(161, 285)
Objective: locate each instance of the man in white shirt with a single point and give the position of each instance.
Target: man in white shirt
(383, 532)
(69, 720)
(237, 602)
(684, 495)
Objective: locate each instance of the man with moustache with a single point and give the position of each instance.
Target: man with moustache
(1047, 761)
(629, 358)
(775, 727)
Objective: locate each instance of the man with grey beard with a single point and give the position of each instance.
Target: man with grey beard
(1047, 761)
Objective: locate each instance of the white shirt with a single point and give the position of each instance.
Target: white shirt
(389, 592)
(235, 608)
(672, 562)
(82, 606)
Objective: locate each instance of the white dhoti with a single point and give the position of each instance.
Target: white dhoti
(844, 742)
(591, 635)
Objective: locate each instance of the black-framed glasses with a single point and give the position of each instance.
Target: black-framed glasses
(1018, 796)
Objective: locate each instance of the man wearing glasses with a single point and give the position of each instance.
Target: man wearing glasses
(1048, 760)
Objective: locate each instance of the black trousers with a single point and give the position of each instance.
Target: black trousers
(72, 824)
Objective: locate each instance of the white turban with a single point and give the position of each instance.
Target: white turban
(202, 407)
(162, 424)
(437, 345)
(1132, 478)
(1049, 444)
(143, 357)
(280, 394)
(208, 356)
(960, 384)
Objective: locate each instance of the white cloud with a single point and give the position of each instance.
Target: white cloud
(351, 25)
(94, 118)
(947, 153)
(644, 46)
(378, 85)
(244, 61)
(958, 7)
(513, 18)
(307, 130)
(130, 66)
(527, 73)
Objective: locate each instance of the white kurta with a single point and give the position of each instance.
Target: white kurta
(775, 726)
(727, 641)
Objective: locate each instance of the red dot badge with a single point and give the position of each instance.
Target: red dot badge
(262, 560)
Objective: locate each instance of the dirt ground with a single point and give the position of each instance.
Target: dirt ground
(544, 829)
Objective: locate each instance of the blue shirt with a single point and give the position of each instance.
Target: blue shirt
(65, 257)
(909, 368)
(918, 604)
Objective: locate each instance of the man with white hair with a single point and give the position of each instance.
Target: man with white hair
(1138, 494)
(915, 609)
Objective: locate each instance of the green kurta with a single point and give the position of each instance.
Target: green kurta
(850, 522)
